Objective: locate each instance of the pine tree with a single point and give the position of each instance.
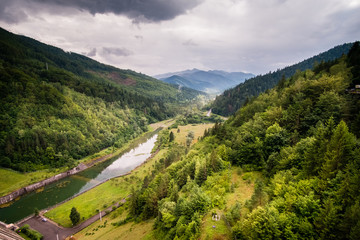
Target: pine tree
(171, 137)
(74, 216)
(340, 151)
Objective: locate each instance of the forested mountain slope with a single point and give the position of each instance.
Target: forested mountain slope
(301, 136)
(58, 106)
(231, 100)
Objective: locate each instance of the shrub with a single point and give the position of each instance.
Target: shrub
(31, 233)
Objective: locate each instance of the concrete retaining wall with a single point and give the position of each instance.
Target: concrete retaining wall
(12, 196)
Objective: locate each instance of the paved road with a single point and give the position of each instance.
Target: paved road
(50, 229)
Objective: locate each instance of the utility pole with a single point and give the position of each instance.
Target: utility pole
(47, 67)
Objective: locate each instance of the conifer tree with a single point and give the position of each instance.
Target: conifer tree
(74, 216)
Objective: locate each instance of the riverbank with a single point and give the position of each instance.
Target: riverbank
(111, 191)
(56, 175)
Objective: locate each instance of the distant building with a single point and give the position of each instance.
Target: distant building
(355, 90)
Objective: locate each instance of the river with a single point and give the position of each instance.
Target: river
(67, 187)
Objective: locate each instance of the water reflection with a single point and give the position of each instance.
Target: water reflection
(75, 184)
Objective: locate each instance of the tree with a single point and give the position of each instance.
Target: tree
(234, 214)
(134, 204)
(201, 175)
(327, 220)
(275, 139)
(189, 138)
(36, 212)
(50, 154)
(171, 137)
(74, 216)
(340, 151)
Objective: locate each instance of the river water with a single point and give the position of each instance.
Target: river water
(67, 187)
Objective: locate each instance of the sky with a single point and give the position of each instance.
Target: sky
(160, 36)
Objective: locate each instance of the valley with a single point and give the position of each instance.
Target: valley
(211, 82)
(282, 161)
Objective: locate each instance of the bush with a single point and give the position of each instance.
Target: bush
(30, 233)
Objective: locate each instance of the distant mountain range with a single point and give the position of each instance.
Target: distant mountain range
(214, 81)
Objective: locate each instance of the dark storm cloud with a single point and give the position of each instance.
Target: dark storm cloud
(116, 51)
(137, 10)
(10, 12)
(256, 36)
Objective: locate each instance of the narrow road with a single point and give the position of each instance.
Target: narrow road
(50, 229)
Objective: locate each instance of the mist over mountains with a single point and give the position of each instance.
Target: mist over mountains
(213, 81)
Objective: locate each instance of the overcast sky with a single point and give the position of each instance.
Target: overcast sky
(158, 36)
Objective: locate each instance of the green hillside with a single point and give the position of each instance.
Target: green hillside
(286, 166)
(57, 106)
(231, 100)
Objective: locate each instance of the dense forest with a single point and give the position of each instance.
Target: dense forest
(58, 106)
(301, 138)
(232, 99)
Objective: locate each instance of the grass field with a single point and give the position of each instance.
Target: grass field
(180, 137)
(211, 229)
(244, 186)
(243, 190)
(163, 124)
(87, 204)
(128, 231)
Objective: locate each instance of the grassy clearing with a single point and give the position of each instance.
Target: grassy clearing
(180, 137)
(163, 124)
(103, 195)
(131, 231)
(244, 188)
(211, 229)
